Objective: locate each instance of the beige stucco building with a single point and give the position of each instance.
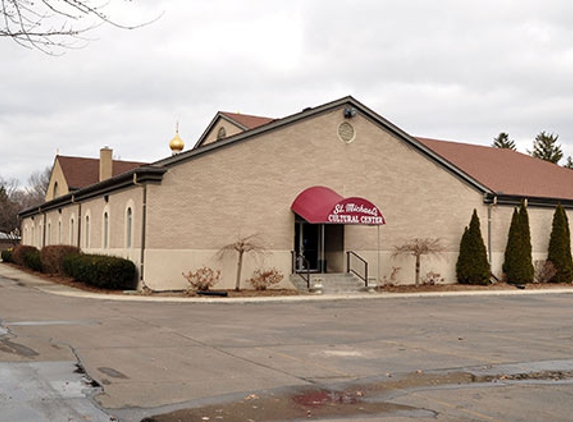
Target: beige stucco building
(245, 173)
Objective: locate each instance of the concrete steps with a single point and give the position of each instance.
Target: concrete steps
(338, 283)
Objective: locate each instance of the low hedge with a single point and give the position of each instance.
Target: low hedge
(33, 261)
(103, 271)
(52, 257)
(7, 255)
(27, 256)
(71, 266)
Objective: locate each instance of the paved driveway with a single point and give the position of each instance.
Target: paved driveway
(471, 358)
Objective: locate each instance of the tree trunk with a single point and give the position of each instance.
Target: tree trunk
(239, 270)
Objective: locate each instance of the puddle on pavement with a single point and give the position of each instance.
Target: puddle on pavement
(8, 346)
(363, 400)
(307, 405)
(112, 372)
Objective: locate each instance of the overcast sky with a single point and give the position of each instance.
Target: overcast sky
(456, 70)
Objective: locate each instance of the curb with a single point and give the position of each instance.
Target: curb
(35, 282)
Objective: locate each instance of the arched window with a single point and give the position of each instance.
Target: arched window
(105, 230)
(56, 190)
(49, 233)
(59, 232)
(128, 227)
(72, 231)
(87, 232)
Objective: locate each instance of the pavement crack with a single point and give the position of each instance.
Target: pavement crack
(11, 347)
(7, 345)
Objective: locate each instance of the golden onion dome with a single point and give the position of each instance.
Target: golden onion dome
(176, 144)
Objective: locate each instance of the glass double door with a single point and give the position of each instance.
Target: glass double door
(307, 243)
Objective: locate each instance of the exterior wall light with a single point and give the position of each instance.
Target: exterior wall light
(349, 112)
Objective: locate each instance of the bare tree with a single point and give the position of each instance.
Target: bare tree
(241, 246)
(417, 248)
(38, 184)
(49, 25)
(9, 207)
(14, 199)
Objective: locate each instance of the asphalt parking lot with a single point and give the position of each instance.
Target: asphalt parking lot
(501, 357)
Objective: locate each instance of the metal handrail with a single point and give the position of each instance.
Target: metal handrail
(349, 268)
(305, 274)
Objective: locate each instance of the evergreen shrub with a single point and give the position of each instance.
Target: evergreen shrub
(32, 261)
(71, 266)
(103, 271)
(559, 252)
(7, 255)
(518, 263)
(472, 266)
(27, 256)
(52, 257)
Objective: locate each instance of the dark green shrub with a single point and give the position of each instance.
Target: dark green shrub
(559, 252)
(518, 263)
(103, 271)
(52, 257)
(70, 265)
(7, 255)
(528, 269)
(20, 253)
(33, 261)
(472, 266)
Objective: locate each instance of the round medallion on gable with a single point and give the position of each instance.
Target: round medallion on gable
(222, 133)
(346, 132)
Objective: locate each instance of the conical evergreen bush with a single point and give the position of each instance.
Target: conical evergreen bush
(528, 270)
(518, 264)
(559, 252)
(472, 266)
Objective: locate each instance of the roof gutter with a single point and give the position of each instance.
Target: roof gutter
(500, 198)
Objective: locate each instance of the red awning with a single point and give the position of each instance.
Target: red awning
(322, 205)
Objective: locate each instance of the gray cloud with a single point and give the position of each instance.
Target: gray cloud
(454, 70)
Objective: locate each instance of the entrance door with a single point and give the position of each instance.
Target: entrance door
(307, 245)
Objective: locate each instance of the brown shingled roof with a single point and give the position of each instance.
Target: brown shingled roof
(81, 172)
(250, 122)
(505, 171)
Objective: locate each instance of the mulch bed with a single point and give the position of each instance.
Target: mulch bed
(70, 282)
(465, 287)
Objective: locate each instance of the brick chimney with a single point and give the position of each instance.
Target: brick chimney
(105, 163)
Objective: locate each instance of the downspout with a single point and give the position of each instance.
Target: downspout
(143, 225)
(79, 225)
(489, 232)
(43, 243)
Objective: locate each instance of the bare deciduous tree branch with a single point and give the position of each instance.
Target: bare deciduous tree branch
(52, 25)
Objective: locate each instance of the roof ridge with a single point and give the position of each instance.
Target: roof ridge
(244, 114)
(75, 157)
